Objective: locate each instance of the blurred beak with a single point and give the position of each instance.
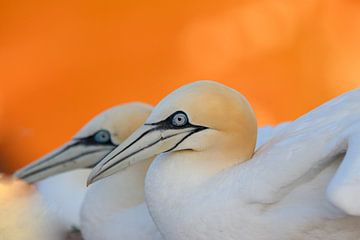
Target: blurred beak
(73, 155)
(146, 142)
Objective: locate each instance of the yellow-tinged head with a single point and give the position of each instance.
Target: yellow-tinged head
(204, 116)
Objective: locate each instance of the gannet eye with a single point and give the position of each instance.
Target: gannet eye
(102, 136)
(179, 119)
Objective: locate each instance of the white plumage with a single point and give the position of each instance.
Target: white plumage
(201, 186)
(64, 194)
(114, 208)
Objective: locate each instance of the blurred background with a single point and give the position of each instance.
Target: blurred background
(62, 62)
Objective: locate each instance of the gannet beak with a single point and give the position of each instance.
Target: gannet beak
(73, 155)
(146, 142)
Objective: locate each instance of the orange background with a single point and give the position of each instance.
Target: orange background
(61, 63)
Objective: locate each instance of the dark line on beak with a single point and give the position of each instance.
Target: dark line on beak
(60, 163)
(137, 139)
(120, 160)
(162, 125)
(51, 156)
(150, 145)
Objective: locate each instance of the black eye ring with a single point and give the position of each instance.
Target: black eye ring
(102, 136)
(179, 119)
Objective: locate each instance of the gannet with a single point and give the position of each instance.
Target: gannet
(206, 182)
(60, 176)
(24, 215)
(123, 194)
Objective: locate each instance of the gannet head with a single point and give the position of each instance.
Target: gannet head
(204, 116)
(96, 139)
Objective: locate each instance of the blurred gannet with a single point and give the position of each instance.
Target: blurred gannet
(60, 176)
(123, 193)
(207, 183)
(93, 141)
(24, 215)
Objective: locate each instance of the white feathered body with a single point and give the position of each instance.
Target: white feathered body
(304, 213)
(280, 194)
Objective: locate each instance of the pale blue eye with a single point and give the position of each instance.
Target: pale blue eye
(179, 119)
(102, 136)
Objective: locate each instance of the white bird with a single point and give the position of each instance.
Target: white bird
(207, 183)
(24, 215)
(119, 200)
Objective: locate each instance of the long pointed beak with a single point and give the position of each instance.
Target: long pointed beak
(73, 155)
(146, 142)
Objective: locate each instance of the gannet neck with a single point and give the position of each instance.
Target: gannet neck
(119, 192)
(132, 224)
(65, 193)
(197, 170)
(187, 170)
